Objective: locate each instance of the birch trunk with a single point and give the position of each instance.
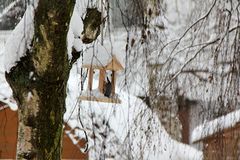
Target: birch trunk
(39, 82)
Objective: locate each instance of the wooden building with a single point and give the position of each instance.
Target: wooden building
(8, 138)
(220, 137)
(8, 133)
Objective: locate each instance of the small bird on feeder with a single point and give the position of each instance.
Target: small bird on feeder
(108, 88)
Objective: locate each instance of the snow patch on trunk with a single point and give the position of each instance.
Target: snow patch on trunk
(19, 40)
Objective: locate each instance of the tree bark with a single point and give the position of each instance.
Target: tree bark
(39, 83)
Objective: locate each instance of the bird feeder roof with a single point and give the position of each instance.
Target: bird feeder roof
(102, 57)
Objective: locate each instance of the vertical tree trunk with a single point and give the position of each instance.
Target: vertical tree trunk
(39, 83)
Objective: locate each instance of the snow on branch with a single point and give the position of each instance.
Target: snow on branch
(188, 29)
(187, 62)
(8, 8)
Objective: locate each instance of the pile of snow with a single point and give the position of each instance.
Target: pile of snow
(5, 90)
(217, 125)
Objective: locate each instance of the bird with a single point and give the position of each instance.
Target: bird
(108, 88)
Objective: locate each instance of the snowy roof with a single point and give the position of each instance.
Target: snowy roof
(98, 56)
(2, 106)
(210, 128)
(76, 135)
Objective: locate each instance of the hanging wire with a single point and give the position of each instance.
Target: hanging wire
(83, 78)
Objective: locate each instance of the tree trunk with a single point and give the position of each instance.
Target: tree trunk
(39, 82)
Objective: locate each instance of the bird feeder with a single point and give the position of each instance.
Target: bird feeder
(106, 89)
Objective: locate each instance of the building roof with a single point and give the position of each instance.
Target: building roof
(217, 125)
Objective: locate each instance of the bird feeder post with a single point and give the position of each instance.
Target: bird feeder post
(102, 74)
(90, 78)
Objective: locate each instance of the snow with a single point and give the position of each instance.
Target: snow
(94, 53)
(5, 90)
(94, 93)
(97, 55)
(131, 119)
(71, 136)
(209, 128)
(158, 22)
(31, 75)
(8, 8)
(9, 101)
(3, 38)
(19, 40)
(100, 55)
(29, 96)
(74, 32)
(76, 24)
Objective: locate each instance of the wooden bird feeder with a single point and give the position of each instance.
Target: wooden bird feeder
(112, 65)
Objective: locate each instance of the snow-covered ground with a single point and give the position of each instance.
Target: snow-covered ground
(136, 130)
